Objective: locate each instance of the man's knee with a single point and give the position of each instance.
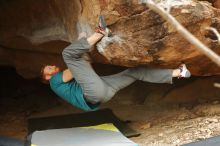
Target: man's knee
(65, 54)
(69, 54)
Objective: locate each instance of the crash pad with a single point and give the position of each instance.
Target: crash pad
(99, 135)
(79, 120)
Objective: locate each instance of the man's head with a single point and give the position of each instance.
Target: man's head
(48, 71)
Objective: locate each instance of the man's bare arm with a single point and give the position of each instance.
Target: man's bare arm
(67, 75)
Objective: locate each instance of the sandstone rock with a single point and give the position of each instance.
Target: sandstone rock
(216, 3)
(213, 2)
(35, 32)
(148, 40)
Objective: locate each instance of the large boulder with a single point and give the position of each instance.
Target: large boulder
(35, 32)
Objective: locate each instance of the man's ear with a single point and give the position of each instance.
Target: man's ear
(47, 77)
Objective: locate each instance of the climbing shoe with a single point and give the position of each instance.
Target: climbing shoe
(184, 72)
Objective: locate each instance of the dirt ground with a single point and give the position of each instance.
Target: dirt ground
(160, 123)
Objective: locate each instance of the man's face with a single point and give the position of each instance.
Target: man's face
(50, 70)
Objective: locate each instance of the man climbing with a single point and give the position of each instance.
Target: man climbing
(82, 87)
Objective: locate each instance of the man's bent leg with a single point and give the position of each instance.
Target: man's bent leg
(93, 87)
(79, 47)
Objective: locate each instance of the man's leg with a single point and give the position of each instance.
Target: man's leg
(127, 77)
(95, 90)
(79, 47)
(116, 82)
(152, 75)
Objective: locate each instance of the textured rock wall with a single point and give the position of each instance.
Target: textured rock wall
(216, 3)
(35, 33)
(149, 40)
(38, 21)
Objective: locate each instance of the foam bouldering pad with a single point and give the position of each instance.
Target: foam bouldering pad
(99, 135)
(213, 141)
(79, 120)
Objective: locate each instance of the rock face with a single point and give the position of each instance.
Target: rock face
(216, 3)
(213, 2)
(35, 32)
